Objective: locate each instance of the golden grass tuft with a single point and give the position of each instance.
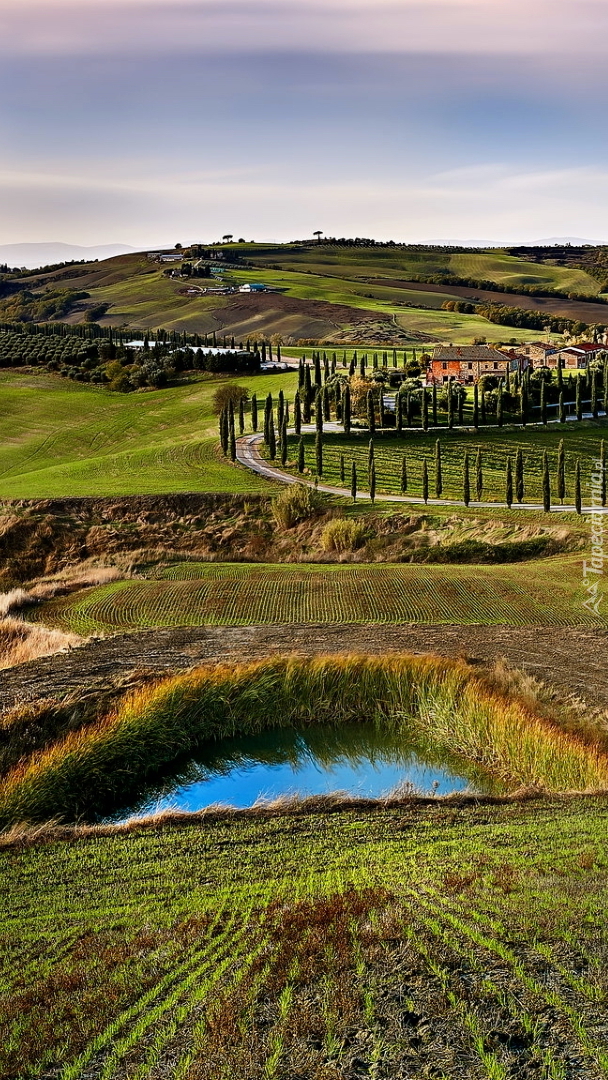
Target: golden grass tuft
(21, 641)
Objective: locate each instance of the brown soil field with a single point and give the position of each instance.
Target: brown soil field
(245, 316)
(568, 309)
(569, 661)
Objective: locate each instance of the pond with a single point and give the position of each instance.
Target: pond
(359, 758)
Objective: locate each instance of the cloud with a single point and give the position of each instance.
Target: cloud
(433, 26)
(495, 202)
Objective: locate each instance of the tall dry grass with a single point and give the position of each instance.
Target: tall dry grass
(21, 641)
(96, 771)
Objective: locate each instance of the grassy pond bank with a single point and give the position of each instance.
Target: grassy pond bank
(442, 710)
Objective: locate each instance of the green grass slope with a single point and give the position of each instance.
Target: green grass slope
(463, 942)
(65, 438)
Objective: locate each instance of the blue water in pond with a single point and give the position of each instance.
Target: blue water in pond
(360, 758)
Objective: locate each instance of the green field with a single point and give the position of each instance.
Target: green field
(406, 263)
(544, 593)
(466, 943)
(64, 438)
(139, 295)
(581, 441)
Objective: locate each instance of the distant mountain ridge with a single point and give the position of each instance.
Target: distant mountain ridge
(46, 254)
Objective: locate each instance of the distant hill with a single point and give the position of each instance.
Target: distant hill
(35, 255)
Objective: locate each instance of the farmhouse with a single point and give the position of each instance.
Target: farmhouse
(540, 353)
(467, 363)
(254, 287)
(579, 356)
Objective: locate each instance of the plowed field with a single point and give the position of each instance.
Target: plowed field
(193, 594)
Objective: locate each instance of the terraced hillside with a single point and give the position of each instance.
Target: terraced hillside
(547, 593)
(447, 940)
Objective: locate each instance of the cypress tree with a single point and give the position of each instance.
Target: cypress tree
(353, 481)
(223, 424)
(317, 362)
(263, 352)
(438, 471)
(319, 452)
(372, 483)
(272, 441)
(342, 477)
(301, 455)
(434, 405)
(297, 414)
(594, 405)
(466, 481)
(254, 412)
(362, 368)
(562, 408)
(408, 409)
(352, 367)
(543, 402)
(284, 441)
(476, 406)
(241, 416)
(371, 413)
(561, 471)
(319, 412)
(425, 481)
(560, 375)
(603, 470)
(478, 476)
(460, 406)
(425, 410)
(509, 484)
(500, 404)
(519, 477)
(267, 417)
(578, 502)
(546, 484)
(338, 400)
(346, 410)
(398, 412)
(375, 362)
(404, 474)
(370, 455)
(450, 405)
(308, 396)
(483, 406)
(231, 432)
(280, 409)
(326, 403)
(579, 399)
(523, 404)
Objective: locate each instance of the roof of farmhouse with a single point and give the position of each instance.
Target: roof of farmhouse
(466, 352)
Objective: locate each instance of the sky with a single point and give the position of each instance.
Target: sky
(147, 122)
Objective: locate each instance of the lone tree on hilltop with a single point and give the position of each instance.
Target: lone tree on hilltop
(227, 237)
(318, 233)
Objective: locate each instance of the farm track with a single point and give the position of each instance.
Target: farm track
(572, 660)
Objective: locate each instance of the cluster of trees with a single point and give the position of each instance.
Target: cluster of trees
(106, 359)
(25, 306)
(446, 277)
(520, 317)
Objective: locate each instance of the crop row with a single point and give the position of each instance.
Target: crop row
(448, 942)
(197, 594)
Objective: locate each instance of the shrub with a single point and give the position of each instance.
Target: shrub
(229, 392)
(343, 535)
(295, 504)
